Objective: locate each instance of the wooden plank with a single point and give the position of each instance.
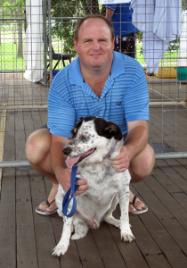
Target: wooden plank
(36, 119)
(19, 136)
(44, 235)
(130, 252)
(107, 247)
(147, 244)
(169, 182)
(28, 122)
(26, 246)
(167, 232)
(7, 203)
(7, 221)
(144, 251)
(43, 117)
(9, 139)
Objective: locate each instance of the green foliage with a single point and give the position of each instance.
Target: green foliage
(8, 58)
(9, 8)
(64, 15)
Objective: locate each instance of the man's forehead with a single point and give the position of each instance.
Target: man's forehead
(93, 22)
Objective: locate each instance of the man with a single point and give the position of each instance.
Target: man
(102, 83)
(124, 30)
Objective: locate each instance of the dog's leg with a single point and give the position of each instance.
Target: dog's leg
(80, 227)
(64, 241)
(58, 199)
(109, 218)
(126, 233)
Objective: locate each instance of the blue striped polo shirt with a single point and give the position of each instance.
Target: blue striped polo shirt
(124, 96)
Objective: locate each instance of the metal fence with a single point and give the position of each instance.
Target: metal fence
(32, 35)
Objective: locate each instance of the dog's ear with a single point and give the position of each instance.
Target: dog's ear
(107, 129)
(77, 126)
(112, 130)
(74, 132)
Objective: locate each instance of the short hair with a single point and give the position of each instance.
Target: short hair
(94, 16)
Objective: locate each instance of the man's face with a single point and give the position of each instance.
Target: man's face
(95, 44)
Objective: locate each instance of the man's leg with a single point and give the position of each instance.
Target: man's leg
(38, 154)
(141, 167)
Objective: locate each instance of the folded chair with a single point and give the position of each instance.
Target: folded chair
(58, 57)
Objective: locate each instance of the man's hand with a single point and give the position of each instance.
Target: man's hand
(136, 141)
(82, 186)
(63, 176)
(122, 161)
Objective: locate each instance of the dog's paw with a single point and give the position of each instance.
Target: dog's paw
(80, 232)
(78, 236)
(127, 236)
(59, 250)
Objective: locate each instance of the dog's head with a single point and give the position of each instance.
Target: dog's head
(93, 139)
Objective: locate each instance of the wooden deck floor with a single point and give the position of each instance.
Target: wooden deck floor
(26, 239)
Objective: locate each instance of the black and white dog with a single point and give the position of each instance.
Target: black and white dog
(94, 143)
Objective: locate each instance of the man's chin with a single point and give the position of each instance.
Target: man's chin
(96, 65)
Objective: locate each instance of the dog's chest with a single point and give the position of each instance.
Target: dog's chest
(102, 183)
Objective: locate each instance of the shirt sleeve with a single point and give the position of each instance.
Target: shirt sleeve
(136, 101)
(61, 113)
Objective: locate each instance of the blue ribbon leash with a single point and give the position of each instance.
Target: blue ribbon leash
(70, 195)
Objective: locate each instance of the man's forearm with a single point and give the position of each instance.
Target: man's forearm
(57, 156)
(136, 140)
(109, 13)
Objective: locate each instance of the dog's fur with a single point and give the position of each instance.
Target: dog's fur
(95, 141)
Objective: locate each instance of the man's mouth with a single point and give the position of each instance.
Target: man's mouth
(71, 161)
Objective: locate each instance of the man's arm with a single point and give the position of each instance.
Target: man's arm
(137, 137)
(109, 13)
(136, 141)
(59, 168)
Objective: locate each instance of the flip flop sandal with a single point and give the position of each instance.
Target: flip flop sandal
(133, 208)
(45, 211)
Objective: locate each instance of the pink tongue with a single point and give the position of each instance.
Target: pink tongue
(70, 161)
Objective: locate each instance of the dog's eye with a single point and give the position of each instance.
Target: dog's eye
(84, 138)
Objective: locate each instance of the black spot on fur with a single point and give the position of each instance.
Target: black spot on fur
(103, 128)
(107, 129)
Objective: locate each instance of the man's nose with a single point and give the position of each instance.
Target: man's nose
(96, 44)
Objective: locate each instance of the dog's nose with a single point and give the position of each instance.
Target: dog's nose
(67, 150)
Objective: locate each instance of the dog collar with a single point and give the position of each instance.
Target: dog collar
(69, 204)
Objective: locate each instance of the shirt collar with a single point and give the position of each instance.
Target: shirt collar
(117, 69)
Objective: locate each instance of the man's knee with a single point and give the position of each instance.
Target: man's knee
(37, 146)
(143, 164)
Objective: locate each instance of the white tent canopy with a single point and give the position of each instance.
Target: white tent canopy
(34, 46)
(183, 41)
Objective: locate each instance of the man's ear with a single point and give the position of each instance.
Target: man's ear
(75, 43)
